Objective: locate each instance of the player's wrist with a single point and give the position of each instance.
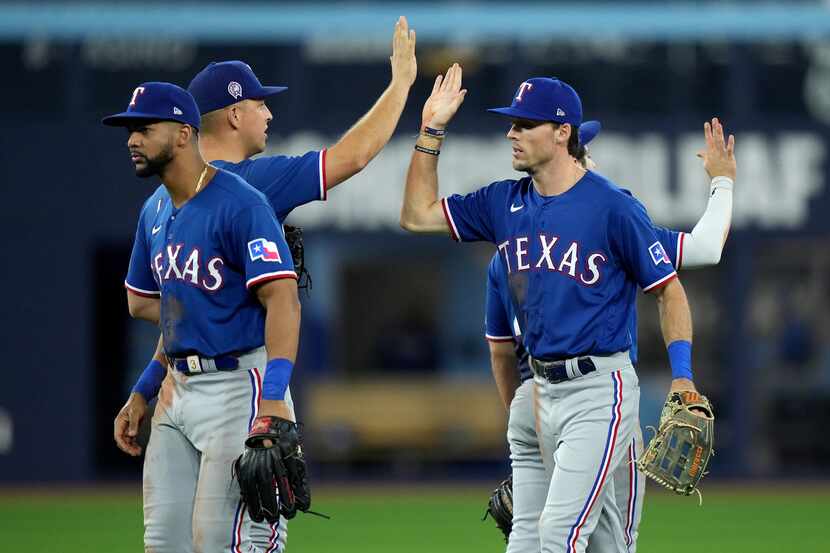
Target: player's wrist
(722, 181)
(399, 83)
(149, 383)
(429, 141)
(138, 396)
(682, 385)
(680, 359)
(274, 408)
(277, 376)
(433, 125)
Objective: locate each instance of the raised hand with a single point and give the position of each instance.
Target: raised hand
(404, 65)
(719, 154)
(447, 96)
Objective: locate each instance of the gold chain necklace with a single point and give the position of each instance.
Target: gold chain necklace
(201, 178)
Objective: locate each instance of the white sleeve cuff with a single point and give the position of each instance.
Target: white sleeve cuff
(721, 182)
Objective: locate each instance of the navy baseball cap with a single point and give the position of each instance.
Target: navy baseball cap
(588, 131)
(159, 101)
(545, 99)
(223, 83)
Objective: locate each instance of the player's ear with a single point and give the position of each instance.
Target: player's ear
(185, 135)
(234, 116)
(563, 133)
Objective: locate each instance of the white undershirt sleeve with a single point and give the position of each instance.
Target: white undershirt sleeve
(703, 246)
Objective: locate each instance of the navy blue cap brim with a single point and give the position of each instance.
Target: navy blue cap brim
(269, 91)
(517, 113)
(588, 131)
(125, 118)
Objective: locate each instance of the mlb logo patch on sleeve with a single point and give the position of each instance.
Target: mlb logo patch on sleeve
(658, 254)
(263, 249)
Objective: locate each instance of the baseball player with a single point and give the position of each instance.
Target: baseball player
(576, 248)
(530, 481)
(211, 253)
(234, 121)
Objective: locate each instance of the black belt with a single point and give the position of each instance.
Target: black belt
(196, 364)
(556, 371)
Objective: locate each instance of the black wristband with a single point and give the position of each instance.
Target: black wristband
(435, 133)
(429, 151)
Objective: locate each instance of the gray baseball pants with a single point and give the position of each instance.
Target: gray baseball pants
(532, 479)
(191, 500)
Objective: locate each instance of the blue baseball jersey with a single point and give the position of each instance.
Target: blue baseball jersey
(287, 182)
(500, 322)
(574, 260)
(203, 260)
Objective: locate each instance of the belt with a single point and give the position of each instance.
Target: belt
(196, 364)
(562, 370)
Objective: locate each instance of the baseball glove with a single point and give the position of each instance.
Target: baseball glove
(294, 238)
(500, 507)
(677, 456)
(272, 478)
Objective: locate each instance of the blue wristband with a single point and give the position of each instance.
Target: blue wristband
(277, 376)
(149, 382)
(680, 359)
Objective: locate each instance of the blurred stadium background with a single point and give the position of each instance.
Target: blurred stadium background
(393, 377)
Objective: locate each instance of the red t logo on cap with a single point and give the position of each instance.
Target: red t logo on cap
(136, 92)
(522, 87)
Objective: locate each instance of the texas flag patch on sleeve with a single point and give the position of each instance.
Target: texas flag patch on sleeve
(658, 254)
(263, 249)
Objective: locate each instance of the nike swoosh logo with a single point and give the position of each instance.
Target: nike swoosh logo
(156, 229)
(514, 209)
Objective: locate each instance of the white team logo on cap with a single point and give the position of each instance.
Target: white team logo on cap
(235, 89)
(176, 111)
(560, 112)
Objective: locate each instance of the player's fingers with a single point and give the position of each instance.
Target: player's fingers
(404, 24)
(707, 135)
(437, 86)
(730, 146)
(412, 38)
(718, 134)
(119, 426)
(458, 72)
(132, 426)
(449, 79)
(124, 443)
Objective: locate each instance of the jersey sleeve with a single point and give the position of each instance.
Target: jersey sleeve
(470, 217)
(497, 319)
(636, 244)
(289, 182)
(672, 242)
(260, 246)
(140, 278)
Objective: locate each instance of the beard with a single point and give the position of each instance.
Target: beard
(522, 166)
(156, 165)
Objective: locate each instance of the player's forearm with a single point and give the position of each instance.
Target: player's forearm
(368, 136)
(282, 333)
(159, 355)
(282, 325)
(422, 210)
(675, 315)
(503, 365)
(704, 245)
(676, 325)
